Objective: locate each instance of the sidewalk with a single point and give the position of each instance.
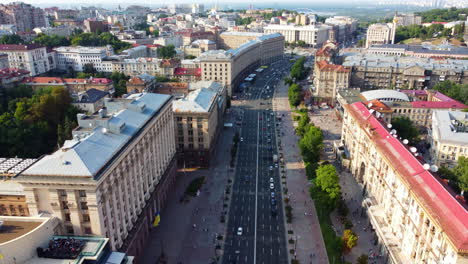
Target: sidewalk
(187, 231)
(310, 247)
(352, 192)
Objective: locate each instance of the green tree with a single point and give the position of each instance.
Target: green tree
(294, 95)
(311, 144)
(11, 39)
(456, 91)
(51, 41)
(328, 180)
(461, 172)
(349, 239)
(89, 69)
(167, 52)
(303, 124)
(405, 129)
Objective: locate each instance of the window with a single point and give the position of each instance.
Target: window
(200, 140)
(82, 193)
(180, 132)
(84, 205)
(85, 218)
(179, 119)
(67, 218)
(87, 230)
(181, 146)
(189, 119)
(190, 132)
(201, 146)
(64, 204)
(70, 230)
(200, 125)
(190, 146)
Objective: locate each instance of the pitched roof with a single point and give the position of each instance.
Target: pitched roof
(8, 73)
(433, 104)
(91, 96)
(187, 71)
(13, 47)
(429, 192)
(325, 66)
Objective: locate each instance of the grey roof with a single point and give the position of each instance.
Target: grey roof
(445, 123)
(87, 156)
(198, 101)
(146, 77)
(91, 96)
(421, 49)
(375, 61)
(385, 95)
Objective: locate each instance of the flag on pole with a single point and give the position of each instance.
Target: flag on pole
(157, 219)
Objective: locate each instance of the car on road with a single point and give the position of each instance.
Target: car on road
(239, 231)
(272, 194)
(272, 186)
(271, 168)
(241, 139)
(271, 180)
(273, 201)
(276, 165)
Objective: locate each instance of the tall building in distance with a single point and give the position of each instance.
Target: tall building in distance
(314, 35)
(379, 34)
(24, 16)
(113, 176)
(407, 19)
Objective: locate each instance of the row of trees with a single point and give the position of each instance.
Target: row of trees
(34, 123)
(299, 43)
(294, 94)
(458, 176)
(298, 70)
(443, 15)
(167, 52)
(456, 91)
(417, 31)
(93, 39)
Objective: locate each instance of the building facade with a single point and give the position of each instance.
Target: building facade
(77, 57)
(379, 34)
(415, 218)
(329, 79)
(448, 137)
(313, 35)
(24, 16)
(199, 119)
(32, 58)
(115, 174)
(407, 19)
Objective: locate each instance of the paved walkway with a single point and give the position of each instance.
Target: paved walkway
(310, 247)
(352, 192)
(187, 231)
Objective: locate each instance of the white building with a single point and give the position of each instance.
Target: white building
(448, 137)
(314, 35)
(76, 57)
(415, 218)
(33, 58)
(62, 30)
(175, 40)
(379, 34)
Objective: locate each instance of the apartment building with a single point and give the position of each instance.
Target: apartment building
(73, 85)
(344, 26)
(199, 119)
(448, 137)
(113, 176)
(370, 71)
(233, 40)
(407, 19)
(450, 52)
(329, 79)
(231, 66)
(415, 218)
(10, 77)
(76, 57)
(313, 35)
(328, 52)
(378, 34)
(32, 58)
(151, 66)
(24, 16)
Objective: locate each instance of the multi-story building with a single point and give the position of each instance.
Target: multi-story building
(448, 137)
(313, 35)
(452, 52)
(378, 34)
(89, 101)
(233, 39)
(344, 25)
(151, 66)
(199, 119)
(32, 58)
(231, 66)
(329, 79)
(63, 30)
(74, 86)
(328, 52)
(141, 83)
(66, 14)
(12, 199)
(10, 77)
(95, 26)
(407, 19)
(24, 16)
(371, 71)
(415, 218)
(113, 177)
(77, 57)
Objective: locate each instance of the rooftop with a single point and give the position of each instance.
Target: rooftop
(451, 126)
(8, 73)
(433, 104)
(80, 49)
(385, 95)
(14, 229)
(13, 166)
(325, 66)
(88, 154)
(453, 50)
(432, 195)
(200, 99)
(90, 96)
(6, 47)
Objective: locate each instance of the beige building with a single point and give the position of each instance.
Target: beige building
(329, 79)
(378, 34)
(231, 66)
(199, 119)
(407, 19)
(12, 198)
(234, 39)
(151, 66)
(32, 58)
(448, 137)
(115, 174)
(415, 218)
(313, 35)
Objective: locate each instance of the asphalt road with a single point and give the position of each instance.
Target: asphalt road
(263, 237)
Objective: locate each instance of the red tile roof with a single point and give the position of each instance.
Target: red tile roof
(325, 66)
(19, 47)
(58, 80)
(379, 106)
(8, 73)
(325, 51)
(187, 71)
(441, 206)
(434, 104)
